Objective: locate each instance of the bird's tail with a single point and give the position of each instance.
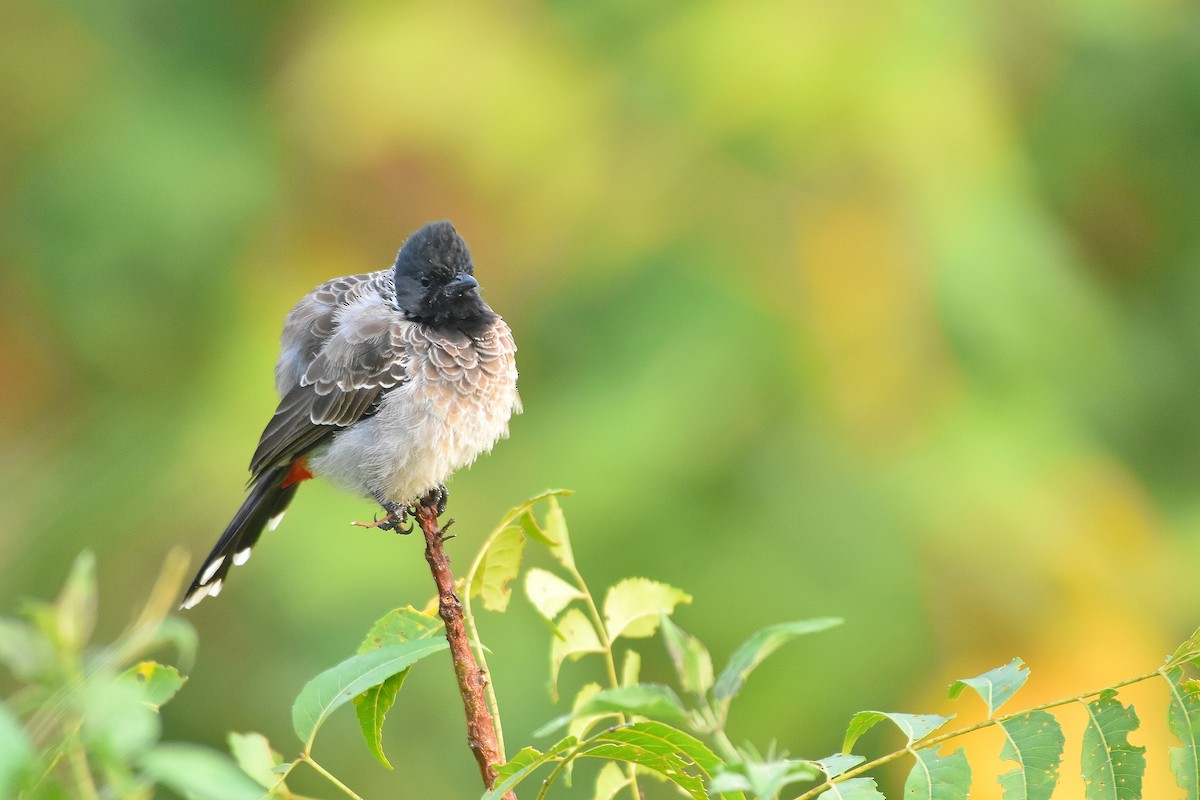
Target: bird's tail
(263, 508)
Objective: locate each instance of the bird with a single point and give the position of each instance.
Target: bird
(389, 382)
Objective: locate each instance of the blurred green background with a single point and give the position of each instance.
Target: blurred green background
(883, 310)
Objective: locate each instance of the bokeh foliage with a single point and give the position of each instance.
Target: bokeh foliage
(877, 310)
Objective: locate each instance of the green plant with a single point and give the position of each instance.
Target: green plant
(84, 724)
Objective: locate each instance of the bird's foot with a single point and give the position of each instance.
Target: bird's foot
(439, 495)
(397, 515)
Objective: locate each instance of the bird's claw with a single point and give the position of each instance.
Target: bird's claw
(397, 515)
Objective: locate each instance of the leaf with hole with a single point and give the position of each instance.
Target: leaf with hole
(1035, 742)
(158, 682)
(338, 685)
(1183, 720)
(994, 686)
(1112, 767)
(938, 777)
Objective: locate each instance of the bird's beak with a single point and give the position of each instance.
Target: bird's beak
(461, 284)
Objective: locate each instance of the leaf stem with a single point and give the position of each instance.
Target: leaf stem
(609, 663)
(934, 741)
(307, 759)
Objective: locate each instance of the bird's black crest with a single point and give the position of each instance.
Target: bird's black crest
(436, 247)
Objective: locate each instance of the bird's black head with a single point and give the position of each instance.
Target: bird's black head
(435, 283)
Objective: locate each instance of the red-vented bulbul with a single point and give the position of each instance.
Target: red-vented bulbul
(390, 381)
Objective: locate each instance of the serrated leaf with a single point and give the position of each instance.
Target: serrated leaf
(521, 509)
(500, 565)
(398, 626)
(1112, 767)
(761, 644)
(576, 638)
(914, 726)
(523, 764)
(338, 685)
(254, 756)
(1183, 720)
(852, 789)
(198, 773)
(994, 686)
(609, 782)
(16, 752)
(691, 658)
(633, 607)
(677, 756)
(1035, 742)
(549, 593)
(75, 608)
(937, 777)
(159, 682)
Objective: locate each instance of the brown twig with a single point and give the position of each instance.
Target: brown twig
(481, 730)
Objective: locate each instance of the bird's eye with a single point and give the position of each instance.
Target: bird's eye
(425, 281)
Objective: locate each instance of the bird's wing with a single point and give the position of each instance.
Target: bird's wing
(358, 351)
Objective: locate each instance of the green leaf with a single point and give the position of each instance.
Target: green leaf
(609, 782)
(549, 593)
(994, 686)
(401, 625)
(838, 763)
(631, 668)
(644, 699)
(576, 638)
(1183, 719)
(117, 721)
(1112, 767)
(555, 530)
(914, 726)
(159, 682)
(198, 773)
(500, 565)
(765, 779)
(396, 627)
(254, 755)
(75, 608)
(1187, 652)
(691, 659)
(852, 789)
(634, 607)
(24, 649)
(337, 686)
(936, 777)
(761, 644)
(677, 756)
(521, 509)
(523, 764)
(1035, 742)
(16, 753)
